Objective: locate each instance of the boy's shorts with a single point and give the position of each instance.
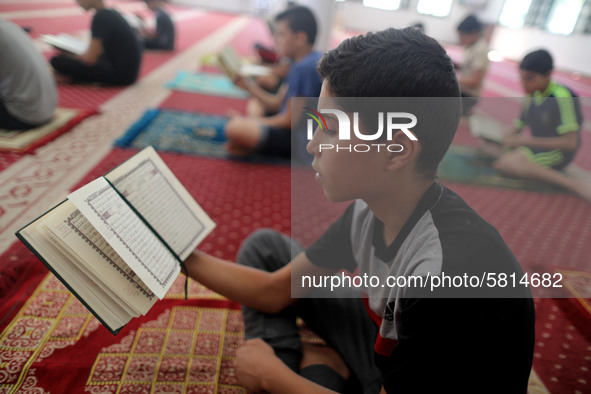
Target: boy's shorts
(274, 142)
(553, 159)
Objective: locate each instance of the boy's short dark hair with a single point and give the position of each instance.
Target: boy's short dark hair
(400, 63)
(300, 19)
(470, 24)
(539, 61)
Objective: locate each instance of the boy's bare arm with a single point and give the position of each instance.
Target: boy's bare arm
(473, 81)
(258, 369)
(268, 292)
(271, 102)
(94, 51)
(566, 142)
(281, 120)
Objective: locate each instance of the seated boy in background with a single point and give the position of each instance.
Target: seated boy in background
(402, 221)
(28, 97)
(113, 57)
(474, 62)
(295, 35)
(553, 113)
(163, 36)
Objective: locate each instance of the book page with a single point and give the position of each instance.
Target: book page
(254, 70)
(99, 299)
(127, 234)
(73, 232)
(229, 62)
(153, 190)
(65, 42)
(487, 128)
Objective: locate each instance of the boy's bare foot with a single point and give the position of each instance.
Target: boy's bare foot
(236, 150)
(325, 355)
(583, 190)
(577, 172)
(61, 79)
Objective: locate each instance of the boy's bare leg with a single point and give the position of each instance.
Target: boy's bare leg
(491, 149)
(243, 135)
(577, 172)
(516, 164)
(61, 79)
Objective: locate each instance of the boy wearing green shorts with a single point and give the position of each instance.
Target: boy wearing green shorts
(553, 114)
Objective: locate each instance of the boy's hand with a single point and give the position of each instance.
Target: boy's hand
(254, 360)
(513, 140)
(244, 82)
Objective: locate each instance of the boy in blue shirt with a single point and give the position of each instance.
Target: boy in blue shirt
(397, 338)
(553, 114)
(295, 35)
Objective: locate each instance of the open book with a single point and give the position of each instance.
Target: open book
(118, 242)
(65, 42)
(487, 128)
(233, 66)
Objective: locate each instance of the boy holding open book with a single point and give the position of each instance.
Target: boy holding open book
(402, 224)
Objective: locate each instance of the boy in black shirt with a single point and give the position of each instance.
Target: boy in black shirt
(113, 57)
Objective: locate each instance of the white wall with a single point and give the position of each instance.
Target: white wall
(571, 53)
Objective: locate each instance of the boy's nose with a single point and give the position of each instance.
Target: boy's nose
(312, 146)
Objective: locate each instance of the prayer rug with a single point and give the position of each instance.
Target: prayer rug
(26, 141)
(184, 132)
(177, 131)
(206, 83)
(465, 165)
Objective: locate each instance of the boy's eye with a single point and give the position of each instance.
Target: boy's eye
(330, 132)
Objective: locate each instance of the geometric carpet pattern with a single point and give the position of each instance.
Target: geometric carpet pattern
(184, 349)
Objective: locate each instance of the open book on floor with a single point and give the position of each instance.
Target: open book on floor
(65, 42)
(118, 242)
(233, 66)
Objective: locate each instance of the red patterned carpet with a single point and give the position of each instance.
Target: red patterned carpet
(188, 346)
(52, 319)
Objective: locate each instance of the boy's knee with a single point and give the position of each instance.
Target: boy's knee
(56, 62)
(514, 163)
(259, 243)
(232, 129)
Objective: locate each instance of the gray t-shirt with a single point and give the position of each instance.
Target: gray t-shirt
(27, 87)
(446, 339)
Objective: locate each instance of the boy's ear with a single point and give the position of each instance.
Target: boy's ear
(408, 151)
(301, 37)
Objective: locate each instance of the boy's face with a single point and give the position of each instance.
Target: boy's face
(286, 40)
(532, 81)
(467, 39)
(85, 4)
(343, 175)
(152, 4)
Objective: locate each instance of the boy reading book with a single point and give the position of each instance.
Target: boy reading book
(395, 338)
(553, 114)
(113, 57)
(295, 35)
